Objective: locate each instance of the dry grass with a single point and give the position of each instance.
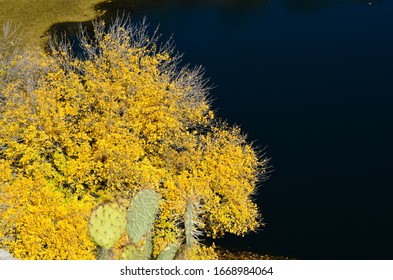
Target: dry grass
(34, 18)
(224, 254)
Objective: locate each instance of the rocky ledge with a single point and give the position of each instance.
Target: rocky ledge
(4, 255)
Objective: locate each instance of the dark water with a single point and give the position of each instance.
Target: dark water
(313, 82)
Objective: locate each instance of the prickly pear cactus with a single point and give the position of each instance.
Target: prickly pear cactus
(141, 215)
(131, 253)
(141, 251)
(107, 224)
(169, 253)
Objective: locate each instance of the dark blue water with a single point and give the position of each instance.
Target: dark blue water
(312, 81)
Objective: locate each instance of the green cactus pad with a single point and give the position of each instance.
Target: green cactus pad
(107, 224)
(169, 252)
(131, 253)
(147, 247)
(141, 214)
(138, 252)
(104, 254)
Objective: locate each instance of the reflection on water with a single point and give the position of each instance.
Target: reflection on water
(312, 81)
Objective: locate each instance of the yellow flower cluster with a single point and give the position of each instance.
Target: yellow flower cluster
(38, 221)
(75, 132)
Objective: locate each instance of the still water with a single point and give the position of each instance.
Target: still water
(310, 81)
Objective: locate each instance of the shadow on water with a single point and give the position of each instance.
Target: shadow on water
(140, 5)
(140, 8)
(312, 81)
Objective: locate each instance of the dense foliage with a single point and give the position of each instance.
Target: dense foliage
(77, 131)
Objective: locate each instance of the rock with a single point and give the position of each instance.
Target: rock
(4, 255)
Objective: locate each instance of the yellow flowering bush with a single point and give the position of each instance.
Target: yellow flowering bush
(75, 131)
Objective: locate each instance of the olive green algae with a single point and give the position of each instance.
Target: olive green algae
(34, 18)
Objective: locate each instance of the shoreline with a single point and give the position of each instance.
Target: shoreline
(35, 18)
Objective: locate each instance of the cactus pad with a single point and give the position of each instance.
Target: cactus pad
(141, 251)
(107, 224)
(169, 252)
(131, 253)
(141, 214)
